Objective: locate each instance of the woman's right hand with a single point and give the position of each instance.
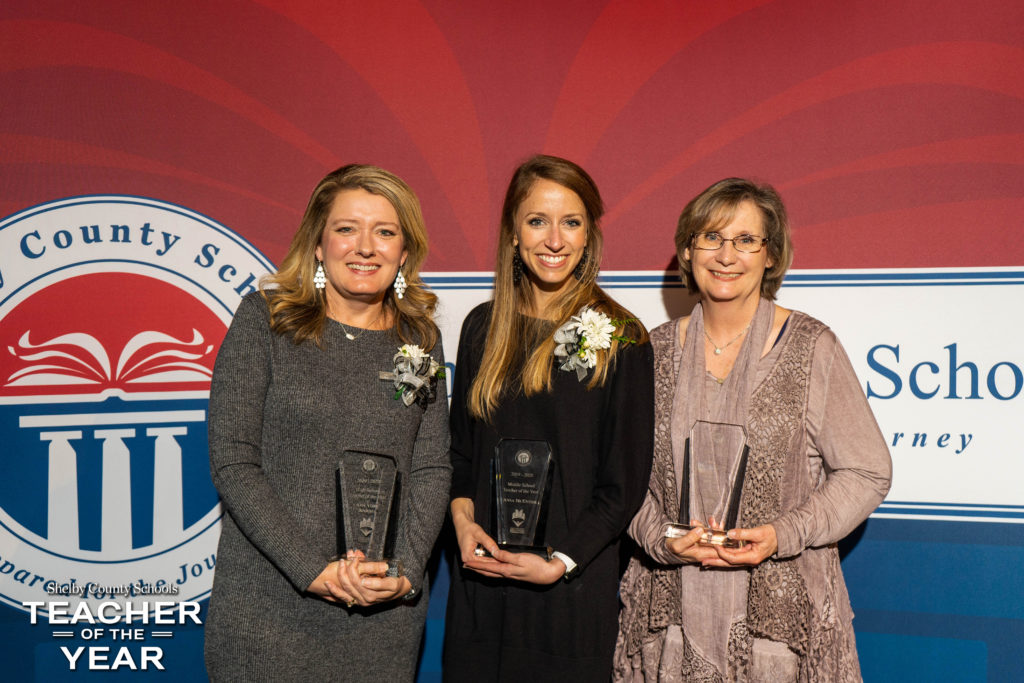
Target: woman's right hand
(364, 582)
(517, 566)
(470, 536)
(687, 549)
(320, 587)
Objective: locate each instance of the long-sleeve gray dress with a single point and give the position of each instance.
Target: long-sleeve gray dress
(280, 417)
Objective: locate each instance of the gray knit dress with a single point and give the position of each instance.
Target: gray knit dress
(280, 417)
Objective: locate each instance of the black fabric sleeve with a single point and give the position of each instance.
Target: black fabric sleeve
(624, 465)
(467, 363)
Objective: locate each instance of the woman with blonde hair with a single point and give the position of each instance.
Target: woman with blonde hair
(298, 381)
(553, 359)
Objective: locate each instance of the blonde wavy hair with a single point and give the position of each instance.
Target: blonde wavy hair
(508, 330)
(299, 309)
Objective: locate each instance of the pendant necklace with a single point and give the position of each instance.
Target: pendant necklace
(719, 349)
(353, 337)
(349, 335)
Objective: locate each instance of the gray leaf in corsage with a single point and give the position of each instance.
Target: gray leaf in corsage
(415, 375)
(578, 341)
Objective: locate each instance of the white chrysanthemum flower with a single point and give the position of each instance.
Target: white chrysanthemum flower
(596, 329)
(412, 351)
(579, 341)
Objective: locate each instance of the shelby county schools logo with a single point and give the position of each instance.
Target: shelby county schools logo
(112, 309)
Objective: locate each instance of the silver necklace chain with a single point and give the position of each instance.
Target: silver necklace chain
(719, 349)
(353, 337)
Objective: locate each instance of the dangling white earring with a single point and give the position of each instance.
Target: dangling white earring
(319, 279)
(400, 284)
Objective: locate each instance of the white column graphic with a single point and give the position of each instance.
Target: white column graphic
(62, 489)
(116, 507)
(116, 494)
(168, 509)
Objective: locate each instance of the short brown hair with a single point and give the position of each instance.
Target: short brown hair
(716, 206)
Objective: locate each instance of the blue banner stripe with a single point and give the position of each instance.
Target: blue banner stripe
(1000, 506)
(946, 514)
(670, 280)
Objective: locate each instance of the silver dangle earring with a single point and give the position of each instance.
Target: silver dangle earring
(400, 284)
(319, 278)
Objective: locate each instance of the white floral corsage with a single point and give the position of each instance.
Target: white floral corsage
(578, 341)
(415, 375)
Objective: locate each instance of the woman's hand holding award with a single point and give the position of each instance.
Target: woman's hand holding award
(522, 472)
(368, 487)
(714, 465)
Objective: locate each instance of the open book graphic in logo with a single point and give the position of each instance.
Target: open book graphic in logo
(107, 352)
(78, 358)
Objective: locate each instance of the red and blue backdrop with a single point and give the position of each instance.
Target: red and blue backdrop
(156, 159)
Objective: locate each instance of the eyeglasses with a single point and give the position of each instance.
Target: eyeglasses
(712, 241)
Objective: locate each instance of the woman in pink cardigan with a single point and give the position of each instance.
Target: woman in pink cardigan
(774, 606)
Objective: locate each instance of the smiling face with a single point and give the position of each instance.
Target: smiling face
(361, 247)
(725, 274)
(551, 234)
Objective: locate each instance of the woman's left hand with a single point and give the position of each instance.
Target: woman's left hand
(761, 544)
(364, 583)
(522, 567)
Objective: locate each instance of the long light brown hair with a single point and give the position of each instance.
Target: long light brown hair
(509, 326)
(299, 309)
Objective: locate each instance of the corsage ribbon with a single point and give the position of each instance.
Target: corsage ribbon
(414, 376)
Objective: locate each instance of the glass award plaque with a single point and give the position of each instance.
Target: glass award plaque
(521, 489)
(714, 465)
(367, 487)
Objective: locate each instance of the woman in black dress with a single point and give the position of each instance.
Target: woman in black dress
(551, 358)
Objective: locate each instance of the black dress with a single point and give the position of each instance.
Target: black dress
(500, 630)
